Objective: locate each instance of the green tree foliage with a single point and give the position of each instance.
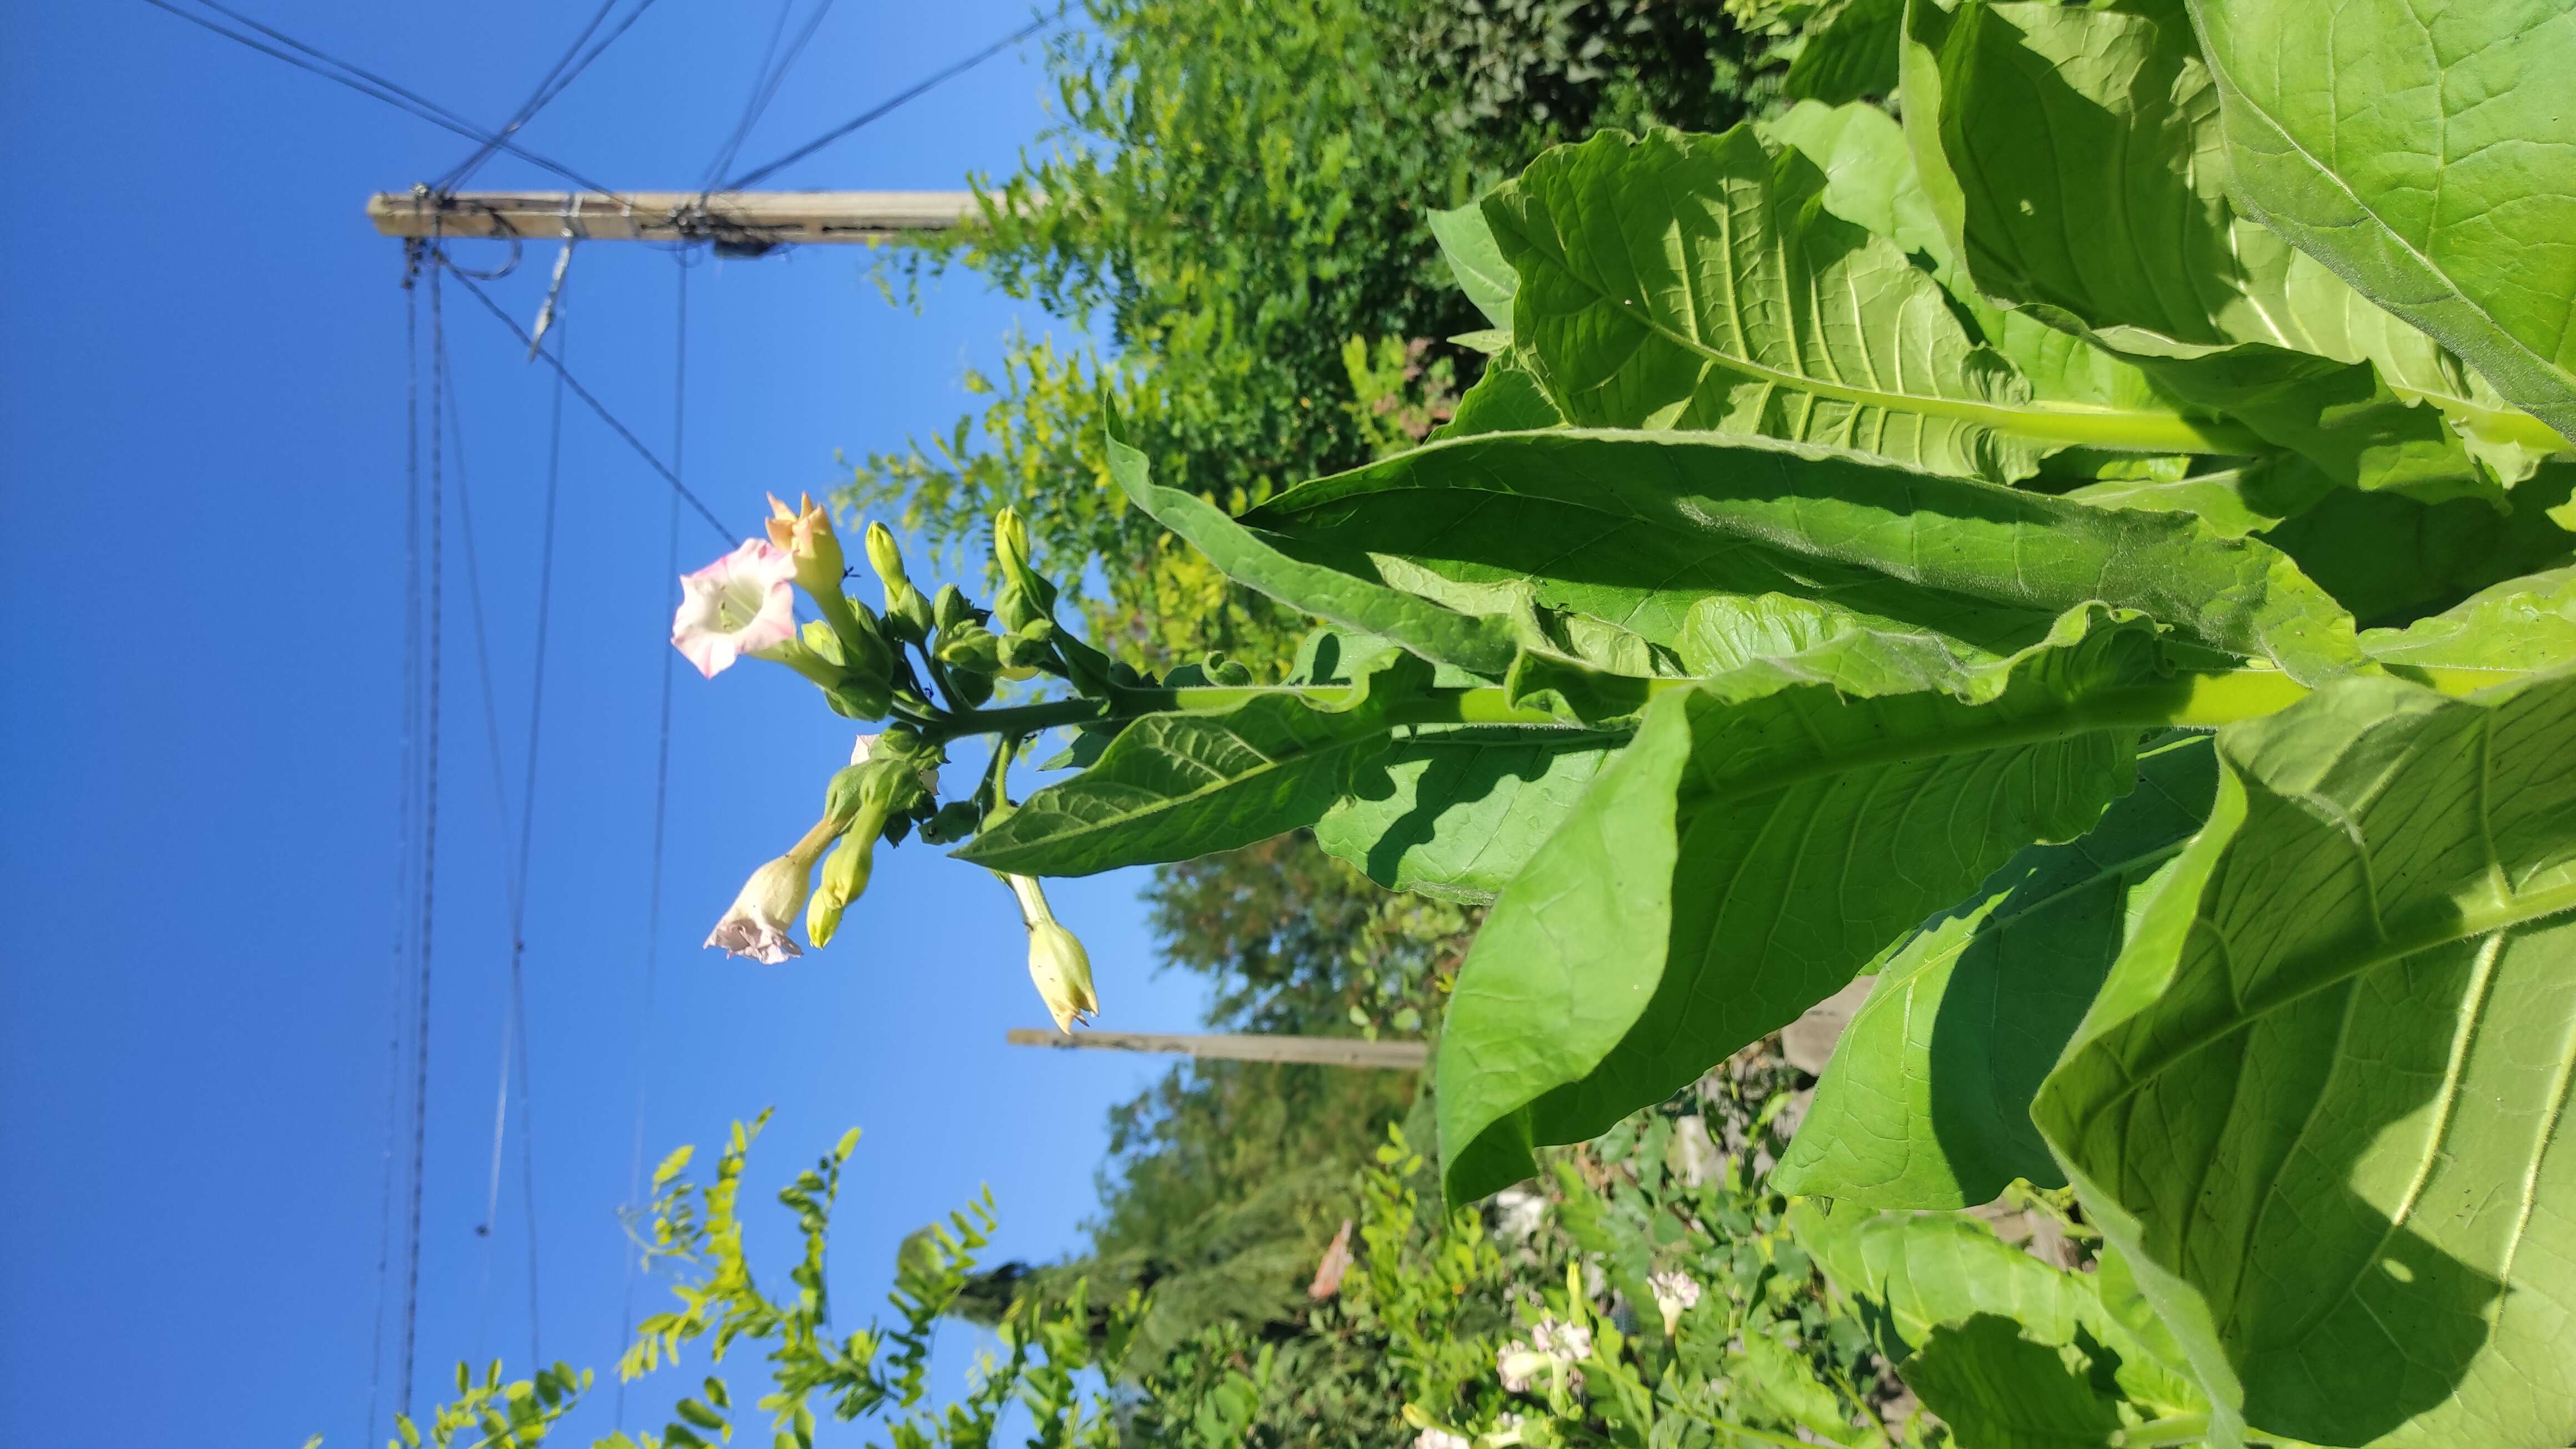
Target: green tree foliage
(1237, 193)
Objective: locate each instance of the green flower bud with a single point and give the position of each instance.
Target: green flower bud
(845, 878)
(951, 609)
(907, 616)
(1012, 610)
(1011, 553)
(1023, 654)
(972, 647)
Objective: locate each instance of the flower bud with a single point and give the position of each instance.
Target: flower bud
(1011, 554)
(908, 615)
(845, 879)
(1058, 965)
(951, 609)
(805, 533)
(970, 646)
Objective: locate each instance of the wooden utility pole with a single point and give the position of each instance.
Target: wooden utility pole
(1322, 1051)
(751, 221)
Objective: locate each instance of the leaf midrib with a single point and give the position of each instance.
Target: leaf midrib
(2069, 423)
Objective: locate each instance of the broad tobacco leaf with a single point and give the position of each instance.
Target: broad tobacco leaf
(2428, 155)
(2513, 628)
(1923, 1276)
(2321, 1102)
(1694, 282)
(1484, 646)
(2075, 160)
(1926, 1103)
(1184, 784)
(1459, 810)
(1635, 529)
(1766, 834)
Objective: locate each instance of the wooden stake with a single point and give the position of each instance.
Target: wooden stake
(750, 220)
(1322, 1051)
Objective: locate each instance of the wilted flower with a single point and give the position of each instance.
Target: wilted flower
(738, 605)
(1516, 1364)
(757, 924)
(1437, 1438)
(1562, 1341)
(1057, 963)
(1337, 1261)
(1675, 1292)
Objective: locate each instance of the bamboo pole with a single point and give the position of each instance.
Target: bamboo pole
(1322, 1051)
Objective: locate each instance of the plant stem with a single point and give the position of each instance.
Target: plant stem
(2180, 1429)
(2198, 700)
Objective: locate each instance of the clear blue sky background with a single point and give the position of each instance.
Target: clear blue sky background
(201, 502)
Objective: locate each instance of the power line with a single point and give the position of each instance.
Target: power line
(429, 840)
(406, 801)
(515, 1029)
(528, 108)
(595, 405)
(661, 814)
(367, 83)
(761, 173)
(764, 87)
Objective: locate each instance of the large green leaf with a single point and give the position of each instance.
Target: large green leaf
(1484, 646)
(1633, 529)
(1467, 244)
(2426, 153)
(1915, 1272)
(1460, 809)
(2390, 559)
(1174, 786)
(2074, 158)
(2322, 1099)
(1765, 834)
(1694, 282)
(1927, 1101)
(2512, 628)
(1849, 57)
(1997, 1388)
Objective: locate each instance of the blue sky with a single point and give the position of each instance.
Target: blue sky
(201, 506)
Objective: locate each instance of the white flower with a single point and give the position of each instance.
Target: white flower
(1436, 1438)
(1562, 1341)
(757, 924)
(1516, 1363)
(1674, 1292)
(741, 604)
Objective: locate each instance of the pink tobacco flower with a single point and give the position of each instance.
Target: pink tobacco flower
(756, 925)
(741, 604)
(1675, 1292)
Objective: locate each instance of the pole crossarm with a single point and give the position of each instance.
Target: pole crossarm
(1322, 1051)
(752, 220)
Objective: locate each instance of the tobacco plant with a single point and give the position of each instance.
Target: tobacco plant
(2094, 554)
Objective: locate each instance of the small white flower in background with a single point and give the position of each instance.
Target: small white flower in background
(1675, 1292)
(1564, 1342)
(1440, 1439)
(866, 747)
(757, 924)
(740, 604)
(1516, 1363)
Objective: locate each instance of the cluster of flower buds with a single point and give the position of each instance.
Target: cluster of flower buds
(863, 661)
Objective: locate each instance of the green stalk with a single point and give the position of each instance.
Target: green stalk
(2180, 1429)
(2191, 701)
